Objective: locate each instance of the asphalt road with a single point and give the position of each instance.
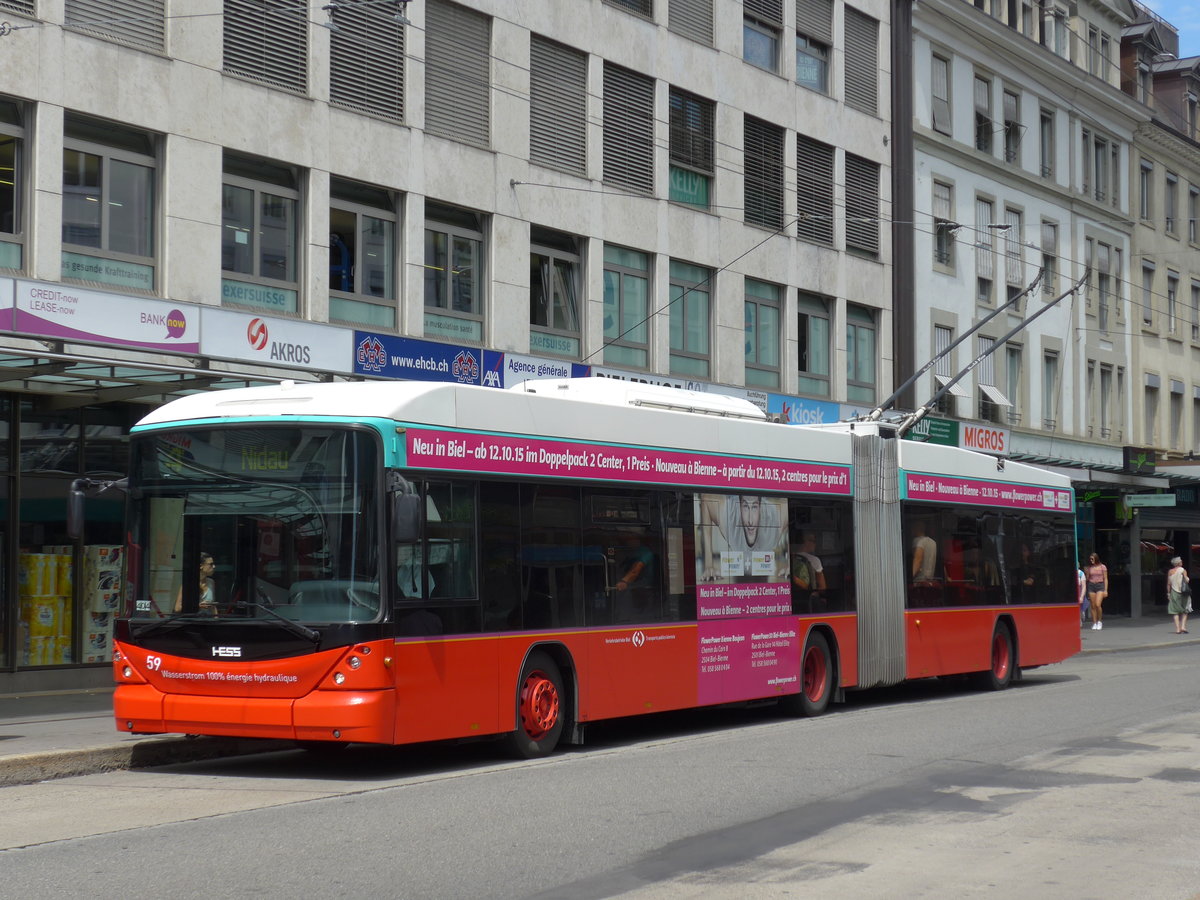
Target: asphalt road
(1080, 782)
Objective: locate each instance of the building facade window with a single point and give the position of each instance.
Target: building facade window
(554, 265)
(1195, 311)
(983, 115)
(992, 401)
(814, 190)
(1146, 190)
(762, 24)
(1012, 381)
(454, 272)
(944, 225)
(626, 307)
(944, 370)
(108, 204)
(1046, 142)
(1049, 390)
(692, 19)
(861, 61)
(267, 41)
(628, 129)
(690, 319)
(860, 354)
(366, 60)
(1050, 256)
(260, 235)
(640, 7)
(557, 106)
(764, 333)
(763, 173)
(862, 205)
(362, 255)
(1148, 293)
(985, 257)
(1193, 213)
(458, 67)
(1106, 384)
(1172, 302)
(814, 344)
(12, 188)
(1012, 126)
(1014, 249)
(814, 38)
(1171, 202)
(940, 94)
(691, 148)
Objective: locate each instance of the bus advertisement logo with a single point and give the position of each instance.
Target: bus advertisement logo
(639, 638)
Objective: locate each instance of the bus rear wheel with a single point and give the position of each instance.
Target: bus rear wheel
(541, 708)
(816, 679)
(1003, 658)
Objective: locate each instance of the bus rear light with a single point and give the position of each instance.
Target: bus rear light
(126, 672)
(363, 650)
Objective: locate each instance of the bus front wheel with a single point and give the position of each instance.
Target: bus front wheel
(1003, 659)
(816, 679)
(541, 708)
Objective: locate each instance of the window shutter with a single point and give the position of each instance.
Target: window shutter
(557, 105)
(366, 61)
(267, 41)
(140, 23)
(983, 96)
(814, 189)
(764, 173)
(641, 7)
(862, 62)
(21, 6)
(458, 73)
(940, 93)
(691, 131)
(692, 18)
(983, 239)
(766, 10)
(941, 201)
(628, 129)
(862, 205)
(1013, 247)
(814, 19)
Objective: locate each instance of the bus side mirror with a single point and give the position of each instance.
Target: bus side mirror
(406, 518)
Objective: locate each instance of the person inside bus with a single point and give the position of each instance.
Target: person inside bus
(808, 575)
(923, 569)
(635, 588)
(208, 602)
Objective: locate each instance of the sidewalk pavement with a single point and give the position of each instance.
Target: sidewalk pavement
(55, 734)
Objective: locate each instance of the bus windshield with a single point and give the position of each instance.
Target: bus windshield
(255, 522)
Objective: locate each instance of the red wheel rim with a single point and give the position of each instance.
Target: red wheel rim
(816, 674)
(539, 705)
(1001, 656)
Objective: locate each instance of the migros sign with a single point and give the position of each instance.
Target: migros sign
(984, 438)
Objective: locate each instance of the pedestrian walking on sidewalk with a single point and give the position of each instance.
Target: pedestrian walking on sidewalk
(1097, 589)
(1179, 595)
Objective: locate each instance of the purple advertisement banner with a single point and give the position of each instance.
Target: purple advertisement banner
(75, 314)
(947, 489)
(514, 455)
(747, 658)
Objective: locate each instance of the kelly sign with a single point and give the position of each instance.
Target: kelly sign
(74, 314)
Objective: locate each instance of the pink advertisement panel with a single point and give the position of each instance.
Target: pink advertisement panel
(746, 658)
(721, 601)
(946, 489)
(531, 456)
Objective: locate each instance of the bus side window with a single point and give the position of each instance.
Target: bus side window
(450, 539)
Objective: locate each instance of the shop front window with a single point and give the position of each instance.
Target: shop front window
(362, 257)
(259, 236)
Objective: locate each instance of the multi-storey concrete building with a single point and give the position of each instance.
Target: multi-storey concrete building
(689, 191)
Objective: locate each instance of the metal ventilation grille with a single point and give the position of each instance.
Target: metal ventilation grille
(366, 61)
(557, 106)
(691, 18)
(267, 41)
(458, 73)
(814, 19)
(139, 23)
(628, 128)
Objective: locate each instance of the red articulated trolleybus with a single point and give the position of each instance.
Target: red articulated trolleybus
(401, 562)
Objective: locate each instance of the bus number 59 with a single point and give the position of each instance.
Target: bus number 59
(153, 663)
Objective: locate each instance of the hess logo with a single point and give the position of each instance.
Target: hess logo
(256, 333)
(227, 651)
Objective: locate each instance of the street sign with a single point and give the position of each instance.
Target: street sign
(1134, 500)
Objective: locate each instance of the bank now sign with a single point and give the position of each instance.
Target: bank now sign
(984, 438)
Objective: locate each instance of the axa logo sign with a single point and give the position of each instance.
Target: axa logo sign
(279, 351)
(226, 652)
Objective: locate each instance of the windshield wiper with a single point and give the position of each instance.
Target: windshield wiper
(293, 626)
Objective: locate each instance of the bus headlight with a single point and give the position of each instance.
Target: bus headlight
(339, 678)
(354, 662)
